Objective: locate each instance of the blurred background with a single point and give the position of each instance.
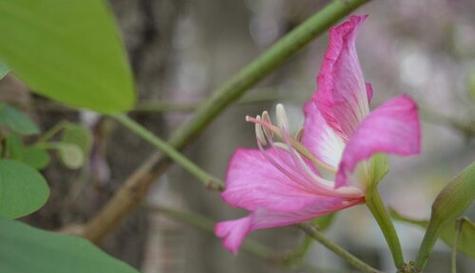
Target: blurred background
(180, 50)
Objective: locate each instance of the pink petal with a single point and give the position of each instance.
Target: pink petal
(369, 91)
(393, 128)
(234, 232)
(342, 94)
(320, 138)
(252, 182)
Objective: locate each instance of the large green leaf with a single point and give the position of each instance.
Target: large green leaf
(4, 69)
(466, 243)
(69, 51)
(22, 189)
(25, 249)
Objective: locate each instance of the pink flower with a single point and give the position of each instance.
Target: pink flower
(289, 179)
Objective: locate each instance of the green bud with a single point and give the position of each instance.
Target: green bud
(449, 204)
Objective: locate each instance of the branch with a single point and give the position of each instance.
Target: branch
(338, 250)
(208, 180)
(134, 189)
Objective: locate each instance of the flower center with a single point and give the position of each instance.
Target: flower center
(297, 166)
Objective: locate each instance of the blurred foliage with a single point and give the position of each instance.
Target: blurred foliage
(27, 249)
(46, 48)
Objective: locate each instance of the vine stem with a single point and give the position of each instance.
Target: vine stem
(338, 250)
(133, 191)
(208, 180)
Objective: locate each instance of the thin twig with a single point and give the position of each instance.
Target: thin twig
(134, 189)
(338, 250)
(208, 180)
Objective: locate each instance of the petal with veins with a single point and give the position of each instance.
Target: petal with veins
(342, 95)
(233, 232)
(392, 128)
(253, 182)
(320, 138)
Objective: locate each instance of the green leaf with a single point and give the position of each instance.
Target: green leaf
(71, 155)
(16, 120)
(14, 146)
(33, 156)
(22, 189)
(25, 249)
(36, 157)
(78, 135)
(3, 70)
(69, 51)
(466, 243)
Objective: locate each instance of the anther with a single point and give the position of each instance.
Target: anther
(259, 133)
(282, 120)
(266, 119)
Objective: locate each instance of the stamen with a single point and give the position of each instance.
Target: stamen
(282, 120)
(297, 170)
(259, 133)
(325, 187)
(266, 119)
(271, 129)
(299, 135)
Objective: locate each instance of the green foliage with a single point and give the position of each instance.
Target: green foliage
(37, 158)
(71, 155)
(16, 121)
(79, 136)
(33, 156)
(450, 203)
(69, 51)
(75, 145)
(466, 243)
(25, 249)
(23, 190)
(455, 197)
(3, 70)
(471, 84)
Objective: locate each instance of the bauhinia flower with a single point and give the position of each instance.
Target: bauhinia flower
(293, 179)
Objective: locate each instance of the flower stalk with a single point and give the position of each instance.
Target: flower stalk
(380, 213)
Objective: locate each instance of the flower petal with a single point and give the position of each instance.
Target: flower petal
(253, 182)
(342, 95)
(320, 138)
(393, 128)
(369, 91)
(234, 232)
